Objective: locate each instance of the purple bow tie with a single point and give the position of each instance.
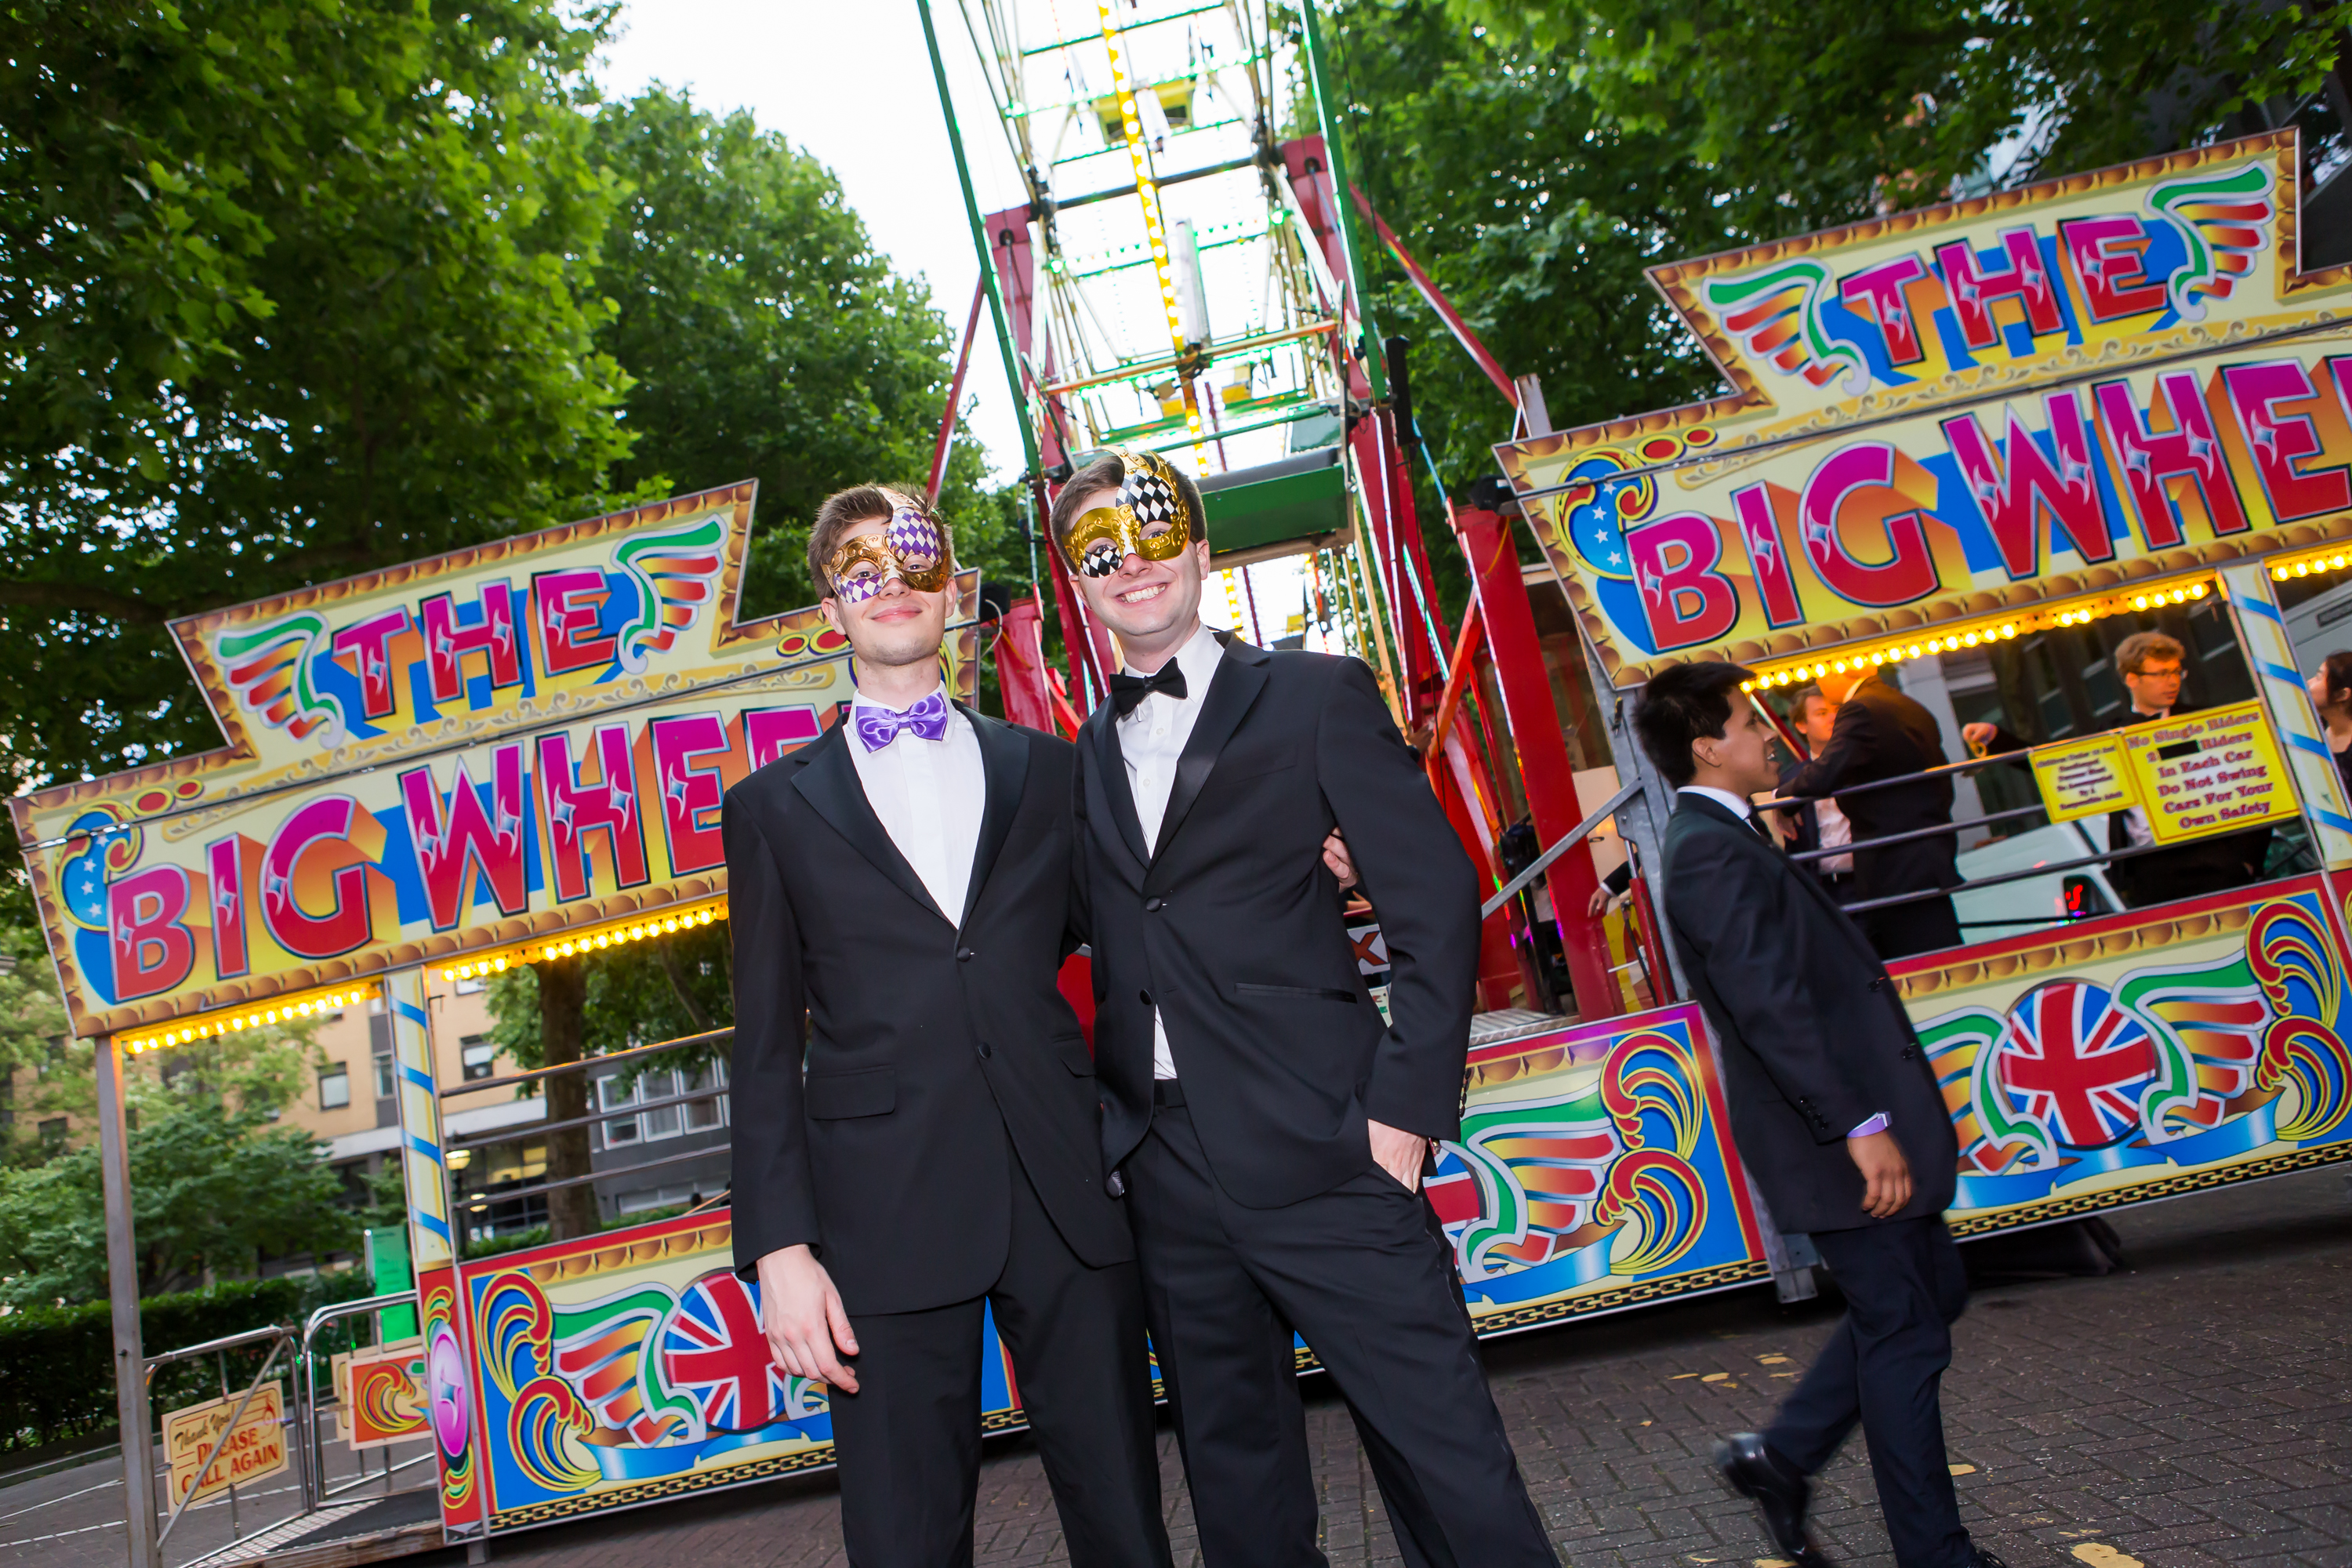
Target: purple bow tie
(878, 727)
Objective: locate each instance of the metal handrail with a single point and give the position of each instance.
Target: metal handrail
(484, 1200)
(315, 1472)
(2051, 869)
(227, 1342)
(1566, 841)
(227, 1431)
(607, 1059)
(1947, 770)
(1940, 831)
(522, 1130)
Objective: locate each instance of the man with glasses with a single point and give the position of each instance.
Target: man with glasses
(2152, 666)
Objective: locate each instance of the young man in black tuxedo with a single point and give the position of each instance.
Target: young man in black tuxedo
(1270, 1129)
(900, 894)
(1838, 1118)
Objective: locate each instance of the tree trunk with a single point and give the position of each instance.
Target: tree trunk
(563, 1001)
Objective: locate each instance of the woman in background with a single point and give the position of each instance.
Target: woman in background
(2332, 689)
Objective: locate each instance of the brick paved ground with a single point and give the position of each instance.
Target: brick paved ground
(2191, 1410)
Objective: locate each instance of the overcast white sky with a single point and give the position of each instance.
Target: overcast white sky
(850, 81)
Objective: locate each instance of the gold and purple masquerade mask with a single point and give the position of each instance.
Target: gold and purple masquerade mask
(913, 547)
(1145, 516)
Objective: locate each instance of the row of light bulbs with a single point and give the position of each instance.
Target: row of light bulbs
(281, 1010)
(325, 1003)
(612, 936)
(1982, 634)
(1893, 653)
(1148, 195)
(2309, 565)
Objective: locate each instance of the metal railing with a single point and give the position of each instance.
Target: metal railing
(278, 1335)
(495, 1137)
(1950, 830)
(315, 1490)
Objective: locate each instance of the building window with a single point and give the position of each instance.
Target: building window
(53, 1135)
(477, 1055)
(384, 1079)
(469, 987)
(334, 1087)
(617, 1092)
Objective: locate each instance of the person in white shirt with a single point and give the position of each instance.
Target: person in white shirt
(915, 1113)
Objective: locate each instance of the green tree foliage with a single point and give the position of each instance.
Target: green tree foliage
(1817, 114)
(290, 291)
(215, 1182)
(662, 989)
(767, 340)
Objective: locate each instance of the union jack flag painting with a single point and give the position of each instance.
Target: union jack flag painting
(2074, 1061)
(713, 1352)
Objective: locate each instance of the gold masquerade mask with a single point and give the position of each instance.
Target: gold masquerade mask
(1145, 516)
(914, 547)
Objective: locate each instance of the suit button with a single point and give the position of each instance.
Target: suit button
(1144, 997)
(1153, 906)
(1117, 1185)
(985, 1050)
(963, 955)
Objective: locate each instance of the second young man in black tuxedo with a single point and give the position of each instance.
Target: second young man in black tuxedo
(900, 891)
(1270, 1130)
(1838, 1118)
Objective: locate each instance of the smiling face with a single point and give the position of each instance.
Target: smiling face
(1149, 604)
(1741, 759)
(889, 623)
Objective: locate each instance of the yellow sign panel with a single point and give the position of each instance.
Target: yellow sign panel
(255, 1449)
(2084, 777)
(2209, 772)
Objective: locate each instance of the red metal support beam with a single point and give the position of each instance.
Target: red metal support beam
(1544, 766)
(955, 397)
(1437, 301)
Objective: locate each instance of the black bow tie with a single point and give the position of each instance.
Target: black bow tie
(1129, 691)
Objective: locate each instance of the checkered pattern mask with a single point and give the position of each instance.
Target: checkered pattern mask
(914, 548)
(1145, 516)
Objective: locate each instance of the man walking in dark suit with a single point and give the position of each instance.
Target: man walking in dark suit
(1271, 1130)
(1838, 1118)
(900, 892)
(1882, 734)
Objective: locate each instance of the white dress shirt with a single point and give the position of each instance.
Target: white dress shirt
(1739, 808)
(1835, 830)
(1151, 739)
(930, 796)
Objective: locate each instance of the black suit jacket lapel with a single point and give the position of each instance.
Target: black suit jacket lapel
(1811, 883)
(828, 780)
(1004, 761)
(1111, 763)
(1241, 675)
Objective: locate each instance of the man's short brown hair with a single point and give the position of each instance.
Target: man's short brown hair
(844, 510)
(1105, 473)
(2140, 646)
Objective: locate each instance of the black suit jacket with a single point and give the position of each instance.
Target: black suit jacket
(1879, 734)
(927, 1037)
(1231, 923)
(1815, 1041)
(2201, 865)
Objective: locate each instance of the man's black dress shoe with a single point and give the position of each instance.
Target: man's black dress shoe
(1987, 1560)
(1780, 1494)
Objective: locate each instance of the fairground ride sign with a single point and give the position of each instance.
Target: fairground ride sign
(449, 757)
(1944, 418)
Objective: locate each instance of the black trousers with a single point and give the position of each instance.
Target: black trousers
(1364, 1273)
(909, 1441)
(1884, 1368)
